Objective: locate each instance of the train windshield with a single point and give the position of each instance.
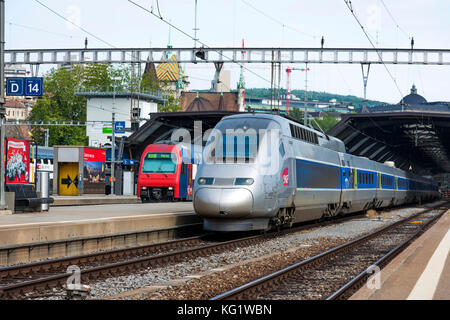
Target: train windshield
(155, 162)
(237, 138)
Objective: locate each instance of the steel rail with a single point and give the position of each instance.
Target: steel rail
(123, 237)
(107, 255)
(345, 291)
(112, 269)
(131, 265)
(249, 290)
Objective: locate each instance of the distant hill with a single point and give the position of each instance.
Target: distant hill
(314, 95)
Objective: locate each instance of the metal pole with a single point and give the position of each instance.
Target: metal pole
(305, 115)
(2, 105)
(113, 148)
(195, 28)
(46, 137)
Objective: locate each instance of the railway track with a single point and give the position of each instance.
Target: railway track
(36, 278)
(338, 272)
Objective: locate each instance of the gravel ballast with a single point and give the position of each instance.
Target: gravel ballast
(217, 273)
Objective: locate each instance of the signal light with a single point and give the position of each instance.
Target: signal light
(200, 54)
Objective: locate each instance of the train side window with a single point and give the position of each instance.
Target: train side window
(282, 152)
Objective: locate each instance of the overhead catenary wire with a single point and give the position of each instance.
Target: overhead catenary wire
(406, 34)
(394, 20)
(348, 3)
(276, 20)
(74, 24)
(43, 30)
(199, 41)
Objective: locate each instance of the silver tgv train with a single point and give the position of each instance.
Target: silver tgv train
(285, 172)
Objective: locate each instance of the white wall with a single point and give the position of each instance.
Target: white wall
(100, 109)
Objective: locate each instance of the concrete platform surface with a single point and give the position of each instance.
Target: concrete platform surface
(82, 221)
(92, 199)
(420, 272)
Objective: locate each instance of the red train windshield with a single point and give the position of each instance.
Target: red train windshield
(156, 162)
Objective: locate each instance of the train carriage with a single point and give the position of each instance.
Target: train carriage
(261, 171)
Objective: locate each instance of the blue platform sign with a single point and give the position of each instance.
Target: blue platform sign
(128, 162)
(15, 87)
(119, 127)
(33, 87)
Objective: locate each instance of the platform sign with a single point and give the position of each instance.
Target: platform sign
(15, 87)
(128, 162)
(107, 129)
(119, 127)
(32, 87)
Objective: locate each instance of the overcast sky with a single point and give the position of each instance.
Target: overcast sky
(285, 23)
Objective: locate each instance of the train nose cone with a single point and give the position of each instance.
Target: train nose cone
(226, 203)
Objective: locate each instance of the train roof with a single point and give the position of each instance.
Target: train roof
(324, 140)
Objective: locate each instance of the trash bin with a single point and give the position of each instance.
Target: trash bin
(44, 188)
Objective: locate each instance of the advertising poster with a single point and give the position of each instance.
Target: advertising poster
(17, 161)
(94, 170)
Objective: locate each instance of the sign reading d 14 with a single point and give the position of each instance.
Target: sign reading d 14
(33, 87)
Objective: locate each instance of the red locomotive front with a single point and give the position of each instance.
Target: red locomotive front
(163, 175)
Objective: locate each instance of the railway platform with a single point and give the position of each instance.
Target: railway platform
(420, 272)
(93, 200)
(68, 222)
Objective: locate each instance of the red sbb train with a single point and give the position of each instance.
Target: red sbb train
(166, 173)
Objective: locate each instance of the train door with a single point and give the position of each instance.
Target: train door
(68, 178)
(347, 181)
(189, 182)
(182, 186)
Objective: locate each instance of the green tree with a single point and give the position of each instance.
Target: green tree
(61, 104)
(297, 114)
(326, 123)
(172, 104)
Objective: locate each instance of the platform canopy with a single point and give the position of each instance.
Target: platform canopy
(162, 124)
(417, 140)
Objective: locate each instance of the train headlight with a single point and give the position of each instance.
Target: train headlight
(205, 181)
(144, 188)
(243, 181)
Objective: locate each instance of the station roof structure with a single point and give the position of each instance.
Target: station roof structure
(162, 124)
(412, 139)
